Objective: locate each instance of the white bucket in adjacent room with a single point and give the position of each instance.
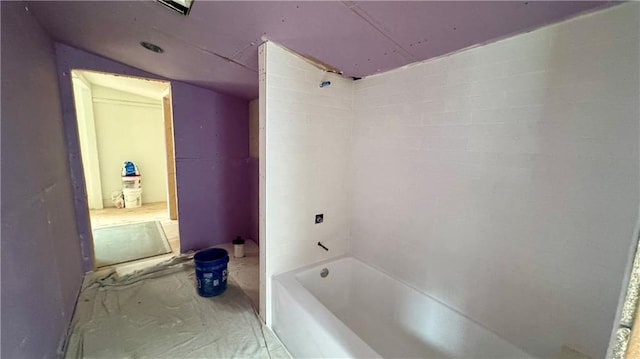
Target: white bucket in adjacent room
(131, 182)
(132, 197)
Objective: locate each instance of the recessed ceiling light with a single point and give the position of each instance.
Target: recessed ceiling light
(181, 6)
(152, 47)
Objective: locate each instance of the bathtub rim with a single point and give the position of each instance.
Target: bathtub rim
(325, 318)
(292, 275)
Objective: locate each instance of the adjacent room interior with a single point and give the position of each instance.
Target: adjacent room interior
(351, 179)
(123, 119)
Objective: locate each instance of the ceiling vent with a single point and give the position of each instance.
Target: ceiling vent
(181, 6)
(152, 47)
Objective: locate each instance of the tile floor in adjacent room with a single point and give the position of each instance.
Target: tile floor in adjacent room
(111, 216)
(245, 270)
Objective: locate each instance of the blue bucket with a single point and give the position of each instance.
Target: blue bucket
(211, 271)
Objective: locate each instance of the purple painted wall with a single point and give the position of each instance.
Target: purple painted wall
(211, 146)
(212, 166)
(41, 266)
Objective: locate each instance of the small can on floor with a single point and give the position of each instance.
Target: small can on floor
(238, 247)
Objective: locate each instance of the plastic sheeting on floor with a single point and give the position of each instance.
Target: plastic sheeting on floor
(156, 313)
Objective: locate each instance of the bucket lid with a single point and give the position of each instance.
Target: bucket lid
(238, 240)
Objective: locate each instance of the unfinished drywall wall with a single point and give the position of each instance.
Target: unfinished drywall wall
(304, 139)
(130, 127)
(213, 173)
(503, 180)
(41, 263)
(211, 147)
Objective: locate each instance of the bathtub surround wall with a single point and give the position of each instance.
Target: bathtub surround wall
(211, 148)
(304, 146)
(41, 262)
(503, 180)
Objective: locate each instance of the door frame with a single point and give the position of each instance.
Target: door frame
(77, 174)
(172, 189)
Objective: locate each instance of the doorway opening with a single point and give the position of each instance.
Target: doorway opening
(125, 130)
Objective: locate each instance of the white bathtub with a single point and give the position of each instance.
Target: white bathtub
(358, 311)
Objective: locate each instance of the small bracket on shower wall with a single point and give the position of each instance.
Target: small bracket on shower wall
(319, 218)
(325, 84)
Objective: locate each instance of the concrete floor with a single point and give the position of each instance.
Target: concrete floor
(246, 271)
